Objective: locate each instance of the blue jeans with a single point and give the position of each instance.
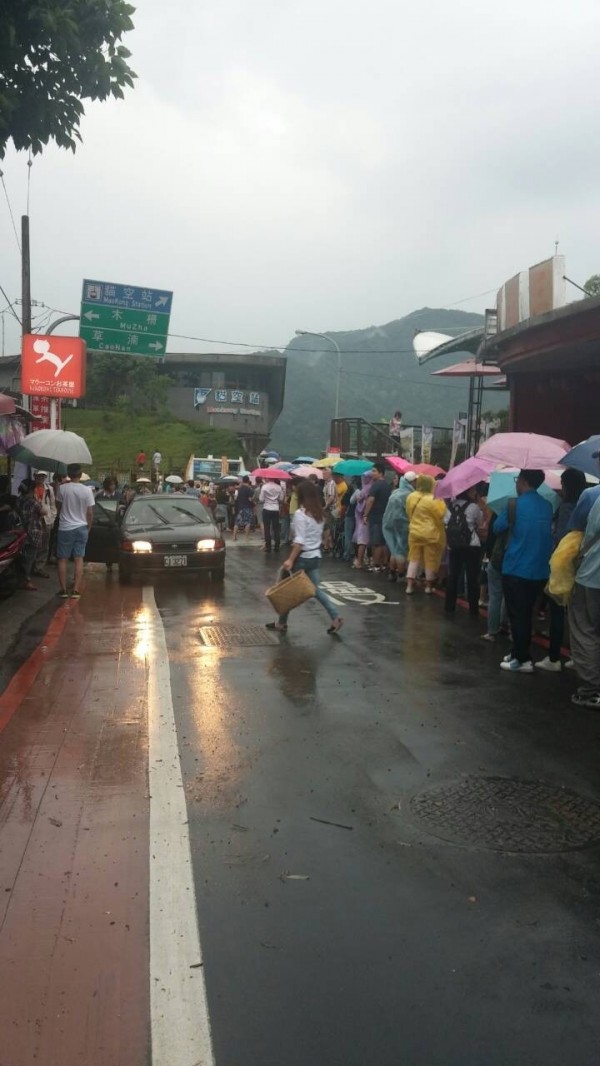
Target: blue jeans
(312, 567)
(496, 606)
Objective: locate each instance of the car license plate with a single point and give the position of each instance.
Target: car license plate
(176, 560)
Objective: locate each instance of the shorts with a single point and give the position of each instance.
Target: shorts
(71, 542)
(376, 535)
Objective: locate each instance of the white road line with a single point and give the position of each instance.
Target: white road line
(178, 1007)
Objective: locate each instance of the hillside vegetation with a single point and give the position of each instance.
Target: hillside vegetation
(379, 376)
(115, 438)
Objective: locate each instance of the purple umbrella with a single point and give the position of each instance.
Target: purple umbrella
(464, 476)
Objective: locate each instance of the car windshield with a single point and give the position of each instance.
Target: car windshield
(156, 512)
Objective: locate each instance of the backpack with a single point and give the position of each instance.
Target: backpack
(458, 533)
(503, 539)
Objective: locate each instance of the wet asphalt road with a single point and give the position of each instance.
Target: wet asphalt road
(389, 937)
(401, 946)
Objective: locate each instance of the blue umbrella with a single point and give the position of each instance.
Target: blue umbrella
(503, 487)
(352, 467)
(270, 455)
(302, 459)
(585, 456)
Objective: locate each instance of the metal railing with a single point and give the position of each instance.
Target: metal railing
(356, 436)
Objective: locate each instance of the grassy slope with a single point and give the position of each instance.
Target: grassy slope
(115, 438)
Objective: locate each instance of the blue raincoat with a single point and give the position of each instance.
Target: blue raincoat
(395, 519)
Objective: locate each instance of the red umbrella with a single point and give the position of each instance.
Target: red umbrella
(427, 468)
(267, 473)
(7, 404)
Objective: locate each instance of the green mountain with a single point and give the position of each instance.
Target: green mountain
(380, 375)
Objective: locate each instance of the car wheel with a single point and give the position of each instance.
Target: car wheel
(218, 575)
(124, 575)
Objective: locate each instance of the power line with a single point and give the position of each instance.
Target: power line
(11, 306)
(10, 210)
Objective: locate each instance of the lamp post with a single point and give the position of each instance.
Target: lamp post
(324, 336)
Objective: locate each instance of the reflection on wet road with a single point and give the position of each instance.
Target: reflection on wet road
(341, 921)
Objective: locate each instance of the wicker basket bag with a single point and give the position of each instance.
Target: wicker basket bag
(290, 591)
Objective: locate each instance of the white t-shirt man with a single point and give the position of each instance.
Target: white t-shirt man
(74, 499)
(156, 459)
(271, 495)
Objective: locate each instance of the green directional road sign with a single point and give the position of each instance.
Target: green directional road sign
(118, 318)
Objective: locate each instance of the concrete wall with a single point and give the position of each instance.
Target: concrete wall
(248, 419)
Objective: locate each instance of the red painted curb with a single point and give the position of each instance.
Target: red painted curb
(19, 685)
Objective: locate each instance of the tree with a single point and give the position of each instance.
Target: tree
(53, 55)
(592, 285)
(125, 383)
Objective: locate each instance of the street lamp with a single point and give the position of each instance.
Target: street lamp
(324, 336)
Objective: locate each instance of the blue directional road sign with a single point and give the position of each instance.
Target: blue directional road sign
(125, 318)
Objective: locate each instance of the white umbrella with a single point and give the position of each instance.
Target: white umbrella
(59, 445)
(174, 479)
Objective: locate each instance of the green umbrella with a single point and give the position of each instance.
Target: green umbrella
(352, 467)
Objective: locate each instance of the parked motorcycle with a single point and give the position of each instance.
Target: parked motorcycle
(11, 545)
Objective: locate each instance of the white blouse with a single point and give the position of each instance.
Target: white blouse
(308, 533)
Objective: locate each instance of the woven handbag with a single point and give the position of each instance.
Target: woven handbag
(290, 592)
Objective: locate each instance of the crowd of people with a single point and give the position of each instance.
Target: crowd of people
(500, 562)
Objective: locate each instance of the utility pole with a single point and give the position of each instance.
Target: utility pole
(25, 285)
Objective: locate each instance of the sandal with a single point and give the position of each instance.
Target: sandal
(336, 625)
(28, 587)
(277, 626)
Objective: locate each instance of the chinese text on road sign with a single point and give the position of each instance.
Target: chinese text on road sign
(125, 318)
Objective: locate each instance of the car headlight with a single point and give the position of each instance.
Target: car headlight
(141, 546)
(205, 545)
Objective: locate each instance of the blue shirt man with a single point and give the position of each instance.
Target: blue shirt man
(526, 564)
(530, 547)
(584, 505)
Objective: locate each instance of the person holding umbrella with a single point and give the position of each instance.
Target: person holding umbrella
(526, 564)
(30, 511)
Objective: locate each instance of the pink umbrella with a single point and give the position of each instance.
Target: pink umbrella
(268, 474)
(527, 451)
(306, 471)
(398, 464)
(7, 404)
(464, 476)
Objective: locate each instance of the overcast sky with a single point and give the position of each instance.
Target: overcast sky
(323, 164)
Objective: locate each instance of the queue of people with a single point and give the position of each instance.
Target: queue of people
(461, 546)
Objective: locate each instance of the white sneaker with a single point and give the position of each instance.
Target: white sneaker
(507, 659)
(516, 667)
(548, 664)
(569, 665)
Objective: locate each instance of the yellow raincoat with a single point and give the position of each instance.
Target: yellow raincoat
(426, 532)
(563, 567)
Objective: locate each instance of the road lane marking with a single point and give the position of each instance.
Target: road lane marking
(178, 1006)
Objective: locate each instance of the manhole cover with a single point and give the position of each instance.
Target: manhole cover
(224, 636)
(507, 815)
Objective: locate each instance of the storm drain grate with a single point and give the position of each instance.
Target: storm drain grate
(224, 636)
(502, 814)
